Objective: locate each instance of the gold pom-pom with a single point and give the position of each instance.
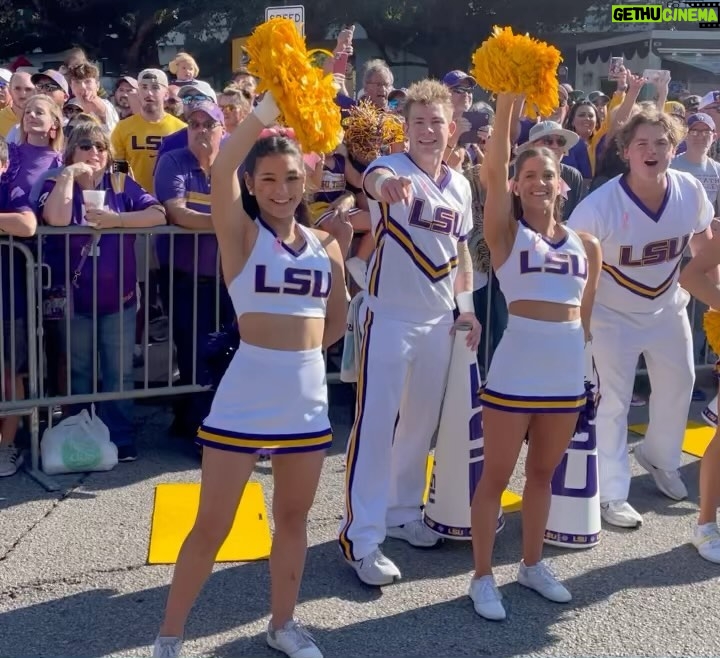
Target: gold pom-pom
(711, 324)
(368, 129)
(518, 64)
(304, 94)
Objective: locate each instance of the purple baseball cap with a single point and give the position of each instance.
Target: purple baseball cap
(211, 109)
(701, 117)
(57, 77)
(457, 78)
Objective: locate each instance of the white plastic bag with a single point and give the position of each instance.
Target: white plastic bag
(79, 444)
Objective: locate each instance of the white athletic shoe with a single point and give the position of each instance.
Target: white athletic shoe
(487, 599)
(707, 541)
(668, 482)
(376, 569)
(620, 513)
(167, 647)
(358, 271)
(293, 640)
(415, 533)
(541, 578)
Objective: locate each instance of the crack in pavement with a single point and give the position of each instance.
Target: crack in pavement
(71, 490)
(79, 579)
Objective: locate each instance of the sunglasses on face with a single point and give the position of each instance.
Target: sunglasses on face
(229, 108)
(195, 98)
(87, 145)
(553, 141)
(47, 87)
(462, 90)
(207, 125)
(698, 132)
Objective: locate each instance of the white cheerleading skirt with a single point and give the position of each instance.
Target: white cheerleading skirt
(538, 367)
(270, 402)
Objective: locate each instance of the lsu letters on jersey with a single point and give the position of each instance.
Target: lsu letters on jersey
(138, 140)
(642, 250)
(412, 272)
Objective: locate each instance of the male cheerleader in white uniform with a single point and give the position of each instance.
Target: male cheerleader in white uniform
(644, 220)
(421, 217)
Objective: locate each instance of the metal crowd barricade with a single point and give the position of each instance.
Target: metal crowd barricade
(10, 404)
(50, 341)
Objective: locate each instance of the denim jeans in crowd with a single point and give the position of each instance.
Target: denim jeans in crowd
(193, 410)
(493, 325)
(114, 367)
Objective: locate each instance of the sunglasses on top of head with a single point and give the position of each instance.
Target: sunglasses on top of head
(195, 98)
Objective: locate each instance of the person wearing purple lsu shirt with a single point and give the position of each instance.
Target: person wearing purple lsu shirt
(182, 184)
(17, 221)
(112, 257)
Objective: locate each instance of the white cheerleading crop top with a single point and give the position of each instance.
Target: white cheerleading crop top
(540, 270)
(279, 280)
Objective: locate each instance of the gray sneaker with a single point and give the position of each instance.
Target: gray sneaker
(293, 640)
(11, 459)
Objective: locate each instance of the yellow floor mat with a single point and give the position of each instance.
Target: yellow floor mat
(176, 507)
(697, 437)
(511, 502)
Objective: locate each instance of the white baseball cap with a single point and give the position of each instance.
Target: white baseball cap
(5, 75)
(199, 86)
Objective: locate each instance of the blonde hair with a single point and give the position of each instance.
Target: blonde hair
(673, 128)
(184, 57)
(428, 92)
(56, 142)
(86, 130)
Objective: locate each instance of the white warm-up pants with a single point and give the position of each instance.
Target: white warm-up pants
(402, 376)
(665, 340)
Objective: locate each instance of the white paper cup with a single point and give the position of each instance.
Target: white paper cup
(94, 199)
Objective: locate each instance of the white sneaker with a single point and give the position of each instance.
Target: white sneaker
(376, 569)
(487, 599)
(415, 533)
(620, 513)
(11, 459)
(668, 482)
(293, 640)
(358, 271)
(167, 647)
(707, 541)
(541, 578)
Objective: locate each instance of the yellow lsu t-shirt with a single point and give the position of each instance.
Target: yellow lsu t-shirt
(8, 119)
(138, 140)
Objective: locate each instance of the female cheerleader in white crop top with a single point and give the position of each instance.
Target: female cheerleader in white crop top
(287, 286)
(536, 381)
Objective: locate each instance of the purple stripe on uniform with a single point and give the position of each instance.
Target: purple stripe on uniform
(355, 436)
(655, 216)
(444, 179)
(287, 248)
(368, 171)
(270, 451)
(535, 398)
(529, 410)
(433, 277)
(264, 437)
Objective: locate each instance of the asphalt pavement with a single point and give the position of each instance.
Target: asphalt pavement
(74, 579)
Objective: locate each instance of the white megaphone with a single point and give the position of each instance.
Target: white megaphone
(459, 456)
(574, 520)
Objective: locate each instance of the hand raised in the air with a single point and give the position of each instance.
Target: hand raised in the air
(396, 189)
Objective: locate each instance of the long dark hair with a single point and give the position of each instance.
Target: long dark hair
(570, 119)
(534, 152)
(265, 146)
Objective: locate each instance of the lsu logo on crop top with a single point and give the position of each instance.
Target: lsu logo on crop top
(552, 262)
(299, 281)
